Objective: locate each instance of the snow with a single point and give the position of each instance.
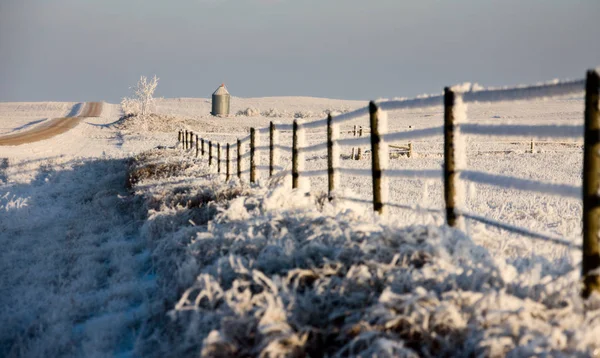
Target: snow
(407, 173)
(185, 264)
(536, 131)
(414, 134)
(519, 230)
(554, 88)
(354, 141)
(413, 103)
(564, 190)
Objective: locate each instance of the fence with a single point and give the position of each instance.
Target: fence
(454, 173)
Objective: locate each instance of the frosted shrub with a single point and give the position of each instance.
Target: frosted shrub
(130, 106)
(249, 112)
(303, 114)
(143, 97)
(273, 113)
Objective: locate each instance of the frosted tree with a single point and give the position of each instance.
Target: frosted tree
(143, 96)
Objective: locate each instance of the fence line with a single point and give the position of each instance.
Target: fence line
(454, 172)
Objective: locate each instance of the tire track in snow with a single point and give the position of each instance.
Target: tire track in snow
(53, 127)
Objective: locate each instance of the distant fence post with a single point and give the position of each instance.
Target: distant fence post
(359, 149)
(219, 158)
(186, 140)
(252, 155)
(410, 149)
(333, 155)
(273, 148)
(209, 153)
(379, 157)
(353, 149)
(591, 182)
(451, 155)
(191, 139)
(295, 154)
(197, 146)
(532, 147)
(179, 136)
(239, 159)
(202, 147)
(228, 164)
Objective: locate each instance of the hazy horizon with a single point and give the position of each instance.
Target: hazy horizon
(69, 50)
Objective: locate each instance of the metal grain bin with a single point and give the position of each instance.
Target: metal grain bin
(220, 101)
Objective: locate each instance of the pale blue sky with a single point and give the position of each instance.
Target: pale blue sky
(78, 50)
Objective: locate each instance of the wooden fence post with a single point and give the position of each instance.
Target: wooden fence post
(353, 150)
(252, 155)
(451, 162)
(209, 153)
(379, 158)
(273, 150)
(219, 158)
(333, 155)
(228, 164)
(410, 149)
(202, 147)
(186, 140)
(591, 182)
(179, 136)
(295, 154)
(239, 159)
(532, 147)
(197, 146)
(191, 139)
(359, 150)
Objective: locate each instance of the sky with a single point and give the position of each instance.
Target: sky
(84, 50)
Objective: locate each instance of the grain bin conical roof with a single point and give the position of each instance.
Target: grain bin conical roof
(221, 91)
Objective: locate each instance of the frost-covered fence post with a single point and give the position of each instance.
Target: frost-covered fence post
(532, 147)
(197, 146)
(591, 182)
(273, 150)
(253, 155)
(353, 150)
(333, 154)
(219, 158)
(379, 158)
(239, 159)
(453, 113)
(359, 150)
(202, 147)
(295, 173)
(228, 164)
(191, 139)
(298, 157)
(209, 153)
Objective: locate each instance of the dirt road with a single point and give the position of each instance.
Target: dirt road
(52, 127)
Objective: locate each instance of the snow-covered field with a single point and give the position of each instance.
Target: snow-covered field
(188, 264)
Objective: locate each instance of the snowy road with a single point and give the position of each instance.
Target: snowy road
(53, 127)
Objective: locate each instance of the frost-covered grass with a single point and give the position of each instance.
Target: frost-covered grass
(75, 275)
(267, 271)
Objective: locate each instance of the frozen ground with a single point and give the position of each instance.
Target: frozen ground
(189, 264)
